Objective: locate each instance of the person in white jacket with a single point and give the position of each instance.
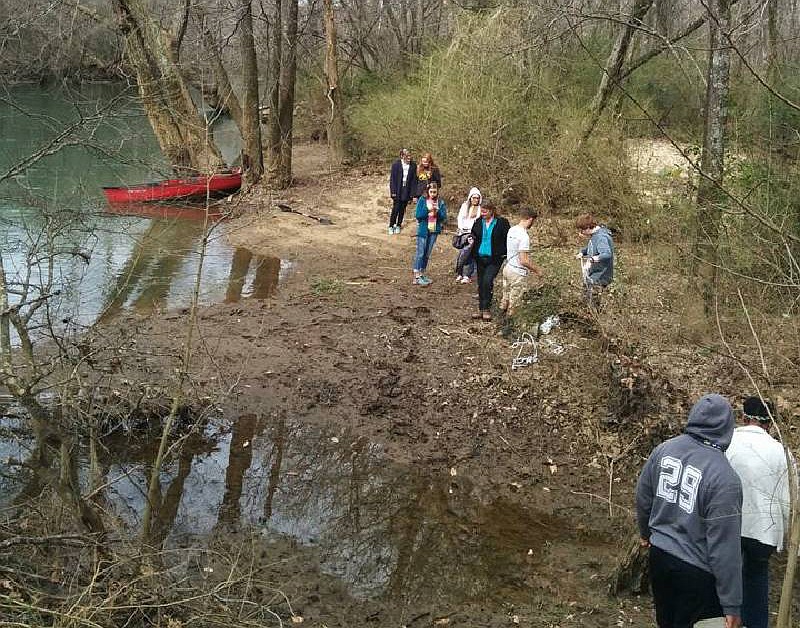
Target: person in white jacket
(468, 213)
(760, 462)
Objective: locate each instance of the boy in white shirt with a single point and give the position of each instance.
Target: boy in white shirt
(518, 261)
(760, 462)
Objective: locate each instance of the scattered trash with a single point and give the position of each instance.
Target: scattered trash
(523, 341)
(297, 619)
(453, 472)
(334, 439)
(553, 347)
(547, 325)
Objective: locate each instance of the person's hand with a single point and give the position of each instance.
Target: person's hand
(733, 621)
(644, 542)
(578, 255)
(394, 195)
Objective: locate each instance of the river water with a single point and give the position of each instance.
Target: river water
(135, 261)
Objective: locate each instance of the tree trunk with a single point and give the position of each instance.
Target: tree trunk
(180, 130)
(785, 607)
(611, 73)
(275, 54)
(226, 95)
(709, 192)
(252, 153)
(336, 149)
(772, 40)
(280, 170)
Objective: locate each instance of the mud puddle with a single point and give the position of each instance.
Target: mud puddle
(384, 531)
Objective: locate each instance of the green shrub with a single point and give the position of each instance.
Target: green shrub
(498, 114)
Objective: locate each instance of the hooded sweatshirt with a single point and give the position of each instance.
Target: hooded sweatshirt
(465, 220)
(689, 499)
(601, 244)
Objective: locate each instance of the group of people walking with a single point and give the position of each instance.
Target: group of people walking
(485, 240)
(712, 507)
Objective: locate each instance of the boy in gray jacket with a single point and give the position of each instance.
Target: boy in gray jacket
(688, 507)
(597, 258)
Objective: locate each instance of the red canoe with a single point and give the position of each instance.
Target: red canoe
(215, 184)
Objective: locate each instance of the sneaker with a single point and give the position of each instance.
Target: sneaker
(459, 278)
(427, 279)
(397, 229)
(422, 280)
(391, 230)
(466, 280)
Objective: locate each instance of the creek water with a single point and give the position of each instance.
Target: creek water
(137, 259)
(385, 530)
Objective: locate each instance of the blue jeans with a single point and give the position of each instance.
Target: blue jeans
(465, 262)
(755, 583)
(424, 247)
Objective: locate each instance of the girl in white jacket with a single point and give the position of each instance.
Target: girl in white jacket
(469, 212)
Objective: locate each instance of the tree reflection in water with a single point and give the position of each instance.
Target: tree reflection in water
(386, 530)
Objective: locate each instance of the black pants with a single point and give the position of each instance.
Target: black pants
(683, 594)
(488, 267)
(398, 211)
(755, 581)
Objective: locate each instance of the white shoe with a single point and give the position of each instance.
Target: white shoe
(466, 280)
(459, 278)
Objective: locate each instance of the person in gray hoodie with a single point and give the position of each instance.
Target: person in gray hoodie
(688, 508)
(597, 258)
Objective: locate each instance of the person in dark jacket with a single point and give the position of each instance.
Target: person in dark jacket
(489, 234)
(427, 172)
(402, 186)
(689, 512)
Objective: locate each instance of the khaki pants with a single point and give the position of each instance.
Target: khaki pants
(514, 286)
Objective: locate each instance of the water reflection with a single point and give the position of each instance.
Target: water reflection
(384, 529)
(161, 265)
(265, 280)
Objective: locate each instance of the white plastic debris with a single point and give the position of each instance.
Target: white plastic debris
(547, 325)
(525, 340)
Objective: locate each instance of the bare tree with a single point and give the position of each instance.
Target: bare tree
(336, 117)
(181, 132)
(252, 153)
(284, 69)
(709, 192)
(612, 71)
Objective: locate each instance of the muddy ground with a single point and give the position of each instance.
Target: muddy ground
(532, 468)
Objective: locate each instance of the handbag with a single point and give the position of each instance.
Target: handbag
(460, 240)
